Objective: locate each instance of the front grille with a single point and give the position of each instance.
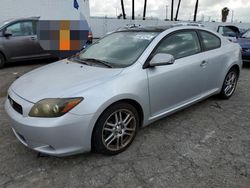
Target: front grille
(17, 107)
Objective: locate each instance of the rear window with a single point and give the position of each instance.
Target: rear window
(210, 41)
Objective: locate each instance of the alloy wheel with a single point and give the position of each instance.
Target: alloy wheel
(119, 129)
(230, 83)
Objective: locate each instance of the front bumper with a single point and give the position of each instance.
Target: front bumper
(66, 135)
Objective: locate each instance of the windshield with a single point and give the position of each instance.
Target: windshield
(246, 34)
(119, 49)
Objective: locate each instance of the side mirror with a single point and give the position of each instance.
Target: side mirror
(7, 33)
(161, 59)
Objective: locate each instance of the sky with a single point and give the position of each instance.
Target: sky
(208, 9)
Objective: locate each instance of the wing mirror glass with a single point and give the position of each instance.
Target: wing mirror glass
(7, 33)
(161, 59)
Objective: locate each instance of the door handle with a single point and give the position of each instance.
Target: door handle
(203, 63)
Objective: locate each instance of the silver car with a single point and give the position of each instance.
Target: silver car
(97, 100)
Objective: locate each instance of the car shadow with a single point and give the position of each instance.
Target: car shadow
(246, 65)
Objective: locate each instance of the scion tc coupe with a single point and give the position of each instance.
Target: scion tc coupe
(97, 100)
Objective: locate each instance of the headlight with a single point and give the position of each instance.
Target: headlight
(54, 107)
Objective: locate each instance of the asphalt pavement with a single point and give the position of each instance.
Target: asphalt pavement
(205, 145)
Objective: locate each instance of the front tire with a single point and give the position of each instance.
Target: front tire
(116, 129)
(2, 61)
(229, 84)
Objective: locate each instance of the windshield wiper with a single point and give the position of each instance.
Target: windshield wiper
(77, 59)
(107, 64)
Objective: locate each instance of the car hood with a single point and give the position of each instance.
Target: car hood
(244, 42)
(60, 79)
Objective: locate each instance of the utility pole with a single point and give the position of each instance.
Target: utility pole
(195, 10)
(172, 10)
(144, 10)
(177, 12)
(123, 11)
(133, 9)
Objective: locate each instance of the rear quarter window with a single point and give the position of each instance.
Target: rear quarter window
(210, 41)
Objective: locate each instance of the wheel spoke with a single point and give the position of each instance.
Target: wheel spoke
(118, 143)
(128, 121)
(129, 129)
(126, 118)
(227, 89)
(122, 140)
(129, 134)
(120, 116)
(108, 129)
(116, 118)
(232, 78)
(110, 124)
(109, 137)
(111, 141)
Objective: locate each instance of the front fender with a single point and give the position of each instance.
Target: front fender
(125, 86)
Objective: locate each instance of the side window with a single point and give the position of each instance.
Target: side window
(181, 44)
(27, 28)
(210, 41)
(21, 29)
(15, 29)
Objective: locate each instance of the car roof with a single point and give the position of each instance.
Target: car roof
(147, 29)
(22, 19)
(157, 28)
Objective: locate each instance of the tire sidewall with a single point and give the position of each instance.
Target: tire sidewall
(97, 143)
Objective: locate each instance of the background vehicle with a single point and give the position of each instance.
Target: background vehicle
(18, 41)
(21, 39)
(244, 42)
(231, 32)
(125, 81)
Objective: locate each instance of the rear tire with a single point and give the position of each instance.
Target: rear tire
(229, 84)
(115, 129)
(2, 61)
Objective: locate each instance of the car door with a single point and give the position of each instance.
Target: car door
(23, 42)
(216, 61)
(171, 86)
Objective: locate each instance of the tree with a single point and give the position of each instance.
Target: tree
(177, 11)
(196, 9)
(224, 14)
(123, 11)
(144, 10)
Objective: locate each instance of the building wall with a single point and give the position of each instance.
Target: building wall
(101, 26)
(64, 10)
(46, 9)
